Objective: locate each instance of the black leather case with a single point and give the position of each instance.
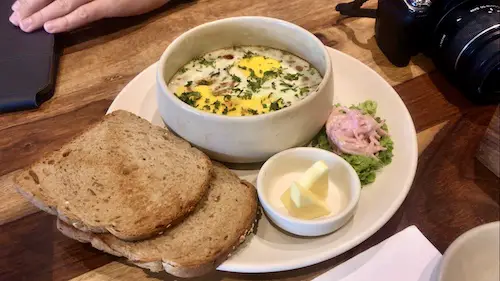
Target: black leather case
(27, 65)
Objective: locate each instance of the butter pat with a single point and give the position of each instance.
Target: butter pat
(315, 179)
(305, 198)
(304, 204)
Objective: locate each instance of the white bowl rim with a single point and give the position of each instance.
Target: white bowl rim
(353, 198)
(168, 52)
(460, 241)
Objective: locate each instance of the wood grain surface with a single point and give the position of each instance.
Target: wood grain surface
(452, 192)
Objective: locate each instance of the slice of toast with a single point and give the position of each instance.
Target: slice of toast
(201, 242)
(123, 176)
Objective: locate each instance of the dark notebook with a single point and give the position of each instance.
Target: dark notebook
(27, 65)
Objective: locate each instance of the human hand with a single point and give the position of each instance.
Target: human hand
(64, 15)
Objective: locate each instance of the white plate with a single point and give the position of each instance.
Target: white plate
(272, 250)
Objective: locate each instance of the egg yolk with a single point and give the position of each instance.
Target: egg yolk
(226, 105)
(258, 64)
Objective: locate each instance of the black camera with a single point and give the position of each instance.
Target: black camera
(461, 36)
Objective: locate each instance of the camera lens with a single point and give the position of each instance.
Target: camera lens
(466, 46)
(492, 82)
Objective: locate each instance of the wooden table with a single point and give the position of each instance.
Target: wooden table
(452, 191)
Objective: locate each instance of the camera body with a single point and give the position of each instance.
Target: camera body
(461, 36)
(400, 29)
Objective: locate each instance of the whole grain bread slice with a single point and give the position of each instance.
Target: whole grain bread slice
(123, 176)
(201, 242)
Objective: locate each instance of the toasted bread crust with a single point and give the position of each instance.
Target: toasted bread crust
(145, 255)
(35, 182)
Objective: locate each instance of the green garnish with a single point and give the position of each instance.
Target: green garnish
(225, 111)
(252, 111)
(284, 84)
(292, 77)
(242, 67)
(204, 82)
(247, 95)
(365, 166)
(213, 74)
(189, 83)
(254, 85)
(248, 54)
(275, 106)
(273, 85)
(235, 78)
(206, 62)
(269, 75)
(206, 107)
(207, 100)
(227, 97)
(190, 97)
(304, 90)
(183, 70)
(216, 105)
(238, 91)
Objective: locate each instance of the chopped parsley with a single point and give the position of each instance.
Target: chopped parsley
(273, 85)
(292, 77)
(247, 95)
(242, 67)
(213, 73)
(227, 68)
(227, 97)
(276, 105)
(183, 70)
(207, 100)
(304, 90)
(254, 85)
(190, 97)
(288, 87)
(216, 105)
(235, 78)
(204, 82)
(189, 83)
(248, 54)
(270, 75)
(225, 111)
(238, 91)
(284, 84)
(206, 107)
(204, 62)
(252, 111)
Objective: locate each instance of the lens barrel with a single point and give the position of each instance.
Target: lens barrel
(465, 45)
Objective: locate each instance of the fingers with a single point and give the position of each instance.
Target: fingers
(25, 8)
(56, 9)
(84, 14)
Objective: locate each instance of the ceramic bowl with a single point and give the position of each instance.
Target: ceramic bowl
(279, 171)
(245, 139)
(474, 256)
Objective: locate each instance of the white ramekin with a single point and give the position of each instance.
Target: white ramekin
(249, 138)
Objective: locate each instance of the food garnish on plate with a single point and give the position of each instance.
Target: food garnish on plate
(359, 136)
(244, 80)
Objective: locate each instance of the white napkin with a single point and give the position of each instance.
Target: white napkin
(406, 256)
